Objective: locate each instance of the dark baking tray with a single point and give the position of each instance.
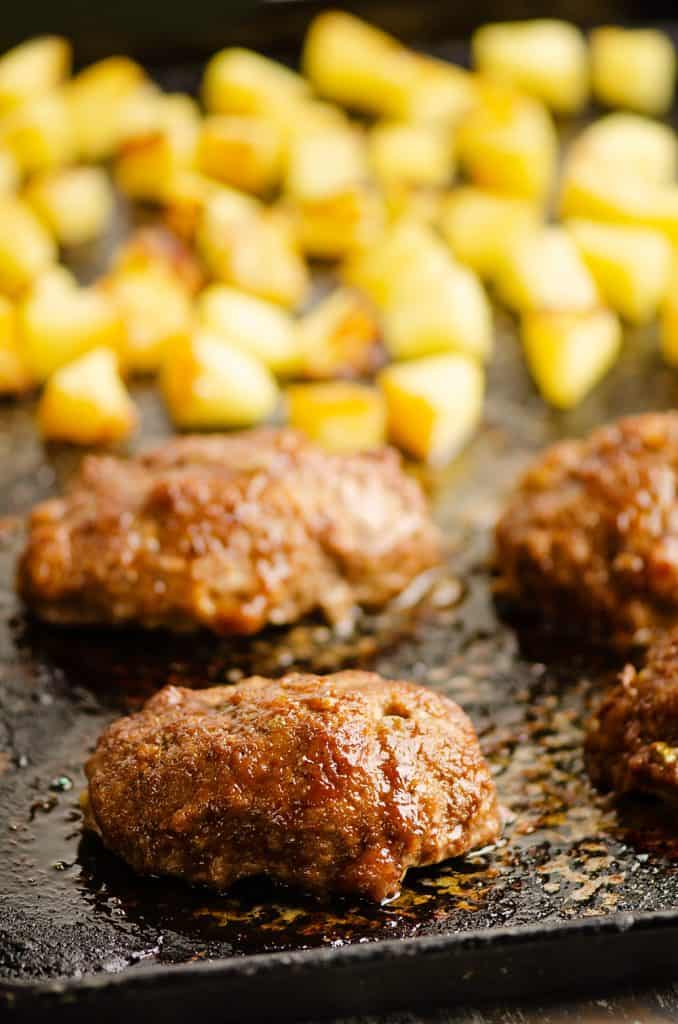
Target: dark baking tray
(579, 892)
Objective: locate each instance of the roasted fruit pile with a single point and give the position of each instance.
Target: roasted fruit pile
(271, 175)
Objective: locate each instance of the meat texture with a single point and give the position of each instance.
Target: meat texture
(590, 536)
(333, 783)
(228, 532)
(632, 740)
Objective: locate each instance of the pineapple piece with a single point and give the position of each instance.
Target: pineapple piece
(363, 68)
(402, 202)
(75, 203)
(244, 151)
(669, 320)
(380, 271)
(482, 227)
(411, 155)
(26, 249)
(9, 172)
(633, 69)
(339, 337)
(140, 113)
(339, 416)
(629, 145)
(325, 163)
(209, 383)
(507, 143)
(631, 266)
(255, 325)
(433, 405)
(184, 199)
(238, 81)
(568, 352)
(546, 58)
(156, 248)
(60, 321)
(146, 165)
(339, 225)
(15, 377)
(86, 402)
(39, 134)
(439, 312)
(32, 68)
(252, 249)
(156, 312)
(544, 271)
(591, 194)
(98, 98)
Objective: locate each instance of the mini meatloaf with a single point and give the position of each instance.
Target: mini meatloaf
(228, 532)
(590, 536)
(632, 741)
(333, 783)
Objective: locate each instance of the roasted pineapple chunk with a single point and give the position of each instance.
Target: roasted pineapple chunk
(239, 81)
(9, 172)
(380, 270)
(412, 155)
(438, 312)
(208, 382)
(15, 377)
(482, 227)
(252, 249)
(184, 199)
(545, 58)
(75, 203)
(568, 353)
(507, 143)
(39, 134)
(361, 67)
(433, 404)
(633, 68)
(255, 325)
(32, 68)
(590, 193)
(156, 312)
(157, 248)
(86, 402)
(544, 271)
(339, 337)
(26, 248)
(628, 145)
(60, 321)
(244, 151)
(97, 97)
(339, 416)
(631, 266)
(146, 165)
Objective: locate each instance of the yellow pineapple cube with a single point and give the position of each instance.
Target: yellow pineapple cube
(86, 402)
(481, 227)
(380, 270)
(630, 265)
(26, 248)
(546, 58)
(339, 337)
(252, 249)
(244, 151)
(156, 312)
(156, 248)
(146, 165)
(591, 194)
(184, 199)
(15, 377)
(239, 81)
(403, 202)
(628, 145)
(434, 404)
(9, 172)
(209, 383)
(39, 134)
(633, 69)
(544, 271)
(507, 143)
(60, 321)
(260, 327)
(412, 155)
(336, 226)
(339, 416)
(75, 203)
(98, 98)
(568, 353)
(32, 68)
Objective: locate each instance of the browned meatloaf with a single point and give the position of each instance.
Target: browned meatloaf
(590, 536)
(229, 532)
(632, 741)
(334, 783)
